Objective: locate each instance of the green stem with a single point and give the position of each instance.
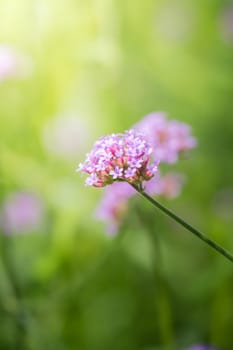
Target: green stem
(188, 227)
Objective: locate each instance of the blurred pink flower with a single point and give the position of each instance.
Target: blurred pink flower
(12, 63)
(168, 138)
(21, 212)
(168, 185)
(113, 205)
(66, 136)
(119, 157)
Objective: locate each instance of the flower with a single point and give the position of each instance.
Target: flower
(123, 159)
(114, 202)
(168, 185)
(113, 205)
(167, 138)
(21, 212)
(119, 157)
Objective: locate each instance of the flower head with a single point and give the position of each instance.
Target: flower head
(167, 138)
(119, 157)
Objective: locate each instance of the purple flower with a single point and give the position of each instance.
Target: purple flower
(91, 180)
(21, 212)
(168, 185)
(117, 172)
(123, 159)
(119, 157)
(130, 172)
(113, 205)
(167, 138)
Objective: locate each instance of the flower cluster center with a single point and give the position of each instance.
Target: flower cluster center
(119, 157)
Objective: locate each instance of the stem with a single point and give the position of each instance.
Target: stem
(188, 227)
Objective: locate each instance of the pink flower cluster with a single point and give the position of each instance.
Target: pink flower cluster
(168, 138)
(119, 157)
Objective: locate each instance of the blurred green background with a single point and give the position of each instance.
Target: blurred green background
(94, 67)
